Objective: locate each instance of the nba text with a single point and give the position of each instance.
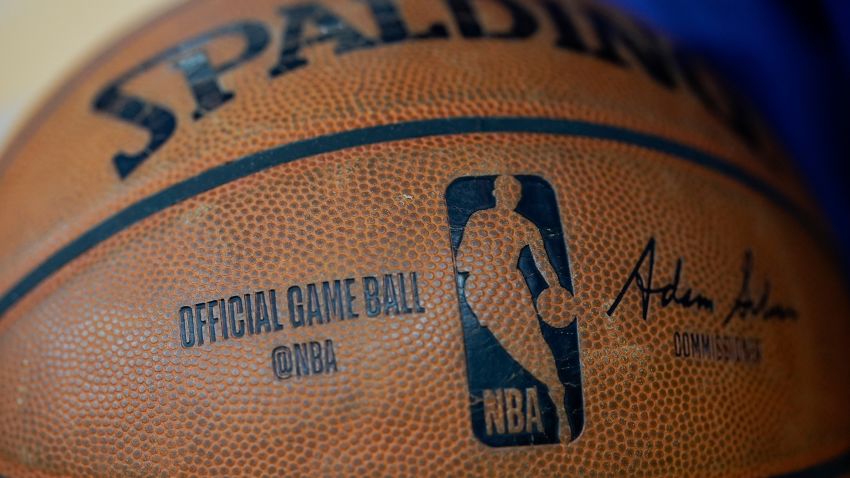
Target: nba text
(511, 411)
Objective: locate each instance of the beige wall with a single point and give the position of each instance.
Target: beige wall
(45, 40)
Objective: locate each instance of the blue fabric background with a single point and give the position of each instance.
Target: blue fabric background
(792, 59)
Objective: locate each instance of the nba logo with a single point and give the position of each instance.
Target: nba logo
(512, 268)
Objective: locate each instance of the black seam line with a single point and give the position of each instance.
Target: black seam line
(248, 165)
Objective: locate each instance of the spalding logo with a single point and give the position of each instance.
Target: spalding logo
(522, 356)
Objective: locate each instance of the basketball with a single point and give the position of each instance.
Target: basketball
(408, 238)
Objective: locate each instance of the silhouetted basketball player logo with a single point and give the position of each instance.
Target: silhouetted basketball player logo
(522, 354)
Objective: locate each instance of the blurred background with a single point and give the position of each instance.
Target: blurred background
(791, 58)
(43, 41)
